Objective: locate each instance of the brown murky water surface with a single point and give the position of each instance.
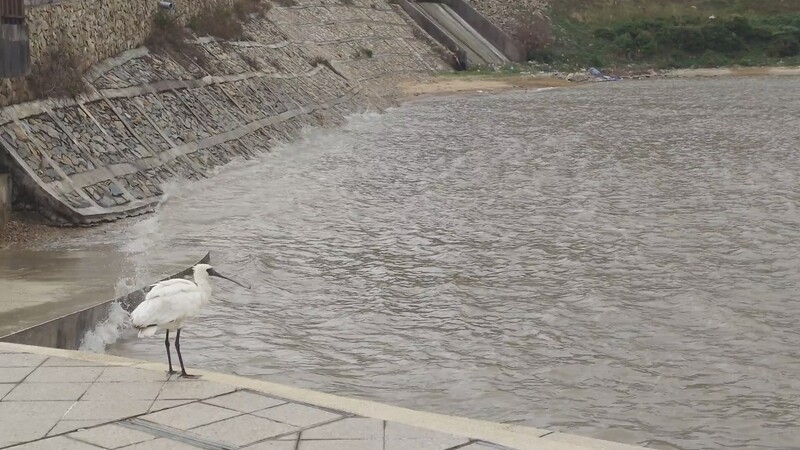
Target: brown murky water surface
(619, 261)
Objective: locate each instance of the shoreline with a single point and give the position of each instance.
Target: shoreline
(452, 83)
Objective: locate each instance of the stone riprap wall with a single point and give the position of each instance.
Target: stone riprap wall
(93, 29)
(506, 13)
(148, 119)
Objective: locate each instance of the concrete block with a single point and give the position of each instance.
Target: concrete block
(158, 405)
(25, 421)
(123, 392)
(243, 430)
(20, 360)
(131, 374)
(399, 436)
(47, 391)
(190, 416)
(14, 374)
(55, 361)
(341, 444)
(65, 426)
(64, 375)
(245, 401)
(298, 415)
(106, 410)
(273, 445)
(5, 388)
(350, 429)
(111, 436)
(192, 390)
(161, 444)
(57, 443)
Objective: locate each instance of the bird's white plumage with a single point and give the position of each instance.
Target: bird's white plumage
(169, 303)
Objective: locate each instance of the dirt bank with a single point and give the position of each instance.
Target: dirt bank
(26, 230)
(457, 83)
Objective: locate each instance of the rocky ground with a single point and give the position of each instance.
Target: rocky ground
(27, 229)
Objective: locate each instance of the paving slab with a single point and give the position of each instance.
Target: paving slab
(273, 445)
(190, 416)
(243, 430)
(162, 444)
(343, 444)
(158, 405)
(351, 429)
(5, 388)
(193, 390)
(65, 426)
(57, 399)
(56, 443)
(123, 392)
(20, 360)
(111, 436)
(244, 401)
(64, 374)
(297, 415)
(47, 391)
(14, 374)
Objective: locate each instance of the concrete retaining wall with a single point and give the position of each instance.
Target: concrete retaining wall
(491, 32)
(149, 118)
(68, 331)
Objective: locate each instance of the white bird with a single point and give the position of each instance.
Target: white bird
(169, 303)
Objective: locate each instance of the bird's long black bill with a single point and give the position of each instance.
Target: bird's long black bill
(214, 273)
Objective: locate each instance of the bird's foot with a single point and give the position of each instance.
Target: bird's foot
(186, 375)
(172, 372)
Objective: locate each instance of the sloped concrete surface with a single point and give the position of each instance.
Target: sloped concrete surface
(60, 399)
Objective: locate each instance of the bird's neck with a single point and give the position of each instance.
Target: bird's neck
(204, 284)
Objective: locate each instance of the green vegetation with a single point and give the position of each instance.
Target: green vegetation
(638, 34)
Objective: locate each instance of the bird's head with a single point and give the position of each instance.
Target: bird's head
(205, 270)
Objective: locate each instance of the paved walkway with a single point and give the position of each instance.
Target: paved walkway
(58, 399)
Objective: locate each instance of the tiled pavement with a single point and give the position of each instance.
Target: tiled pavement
(59, 399)
(47, 402)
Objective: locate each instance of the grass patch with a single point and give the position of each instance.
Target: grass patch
(628, 34)
(59, 73)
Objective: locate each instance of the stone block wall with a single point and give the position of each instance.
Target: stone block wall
(505, 13)
(148, 119)
(94, 29)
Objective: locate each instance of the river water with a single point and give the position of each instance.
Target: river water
(617, 260)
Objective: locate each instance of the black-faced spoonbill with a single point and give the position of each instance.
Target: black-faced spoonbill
(171, 302)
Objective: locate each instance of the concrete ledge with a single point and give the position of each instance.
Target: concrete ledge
(513, 436)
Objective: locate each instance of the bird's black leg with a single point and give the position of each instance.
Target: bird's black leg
(180, 358)
(169, 357)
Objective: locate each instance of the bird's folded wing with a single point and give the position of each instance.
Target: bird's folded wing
(167, 302)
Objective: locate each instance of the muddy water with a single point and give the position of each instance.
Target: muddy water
(618, 261)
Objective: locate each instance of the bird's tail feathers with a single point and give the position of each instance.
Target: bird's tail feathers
(148, 331)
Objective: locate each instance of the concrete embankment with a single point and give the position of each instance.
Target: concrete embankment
(150, 118)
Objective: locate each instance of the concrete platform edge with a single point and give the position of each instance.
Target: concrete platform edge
(513, 436)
